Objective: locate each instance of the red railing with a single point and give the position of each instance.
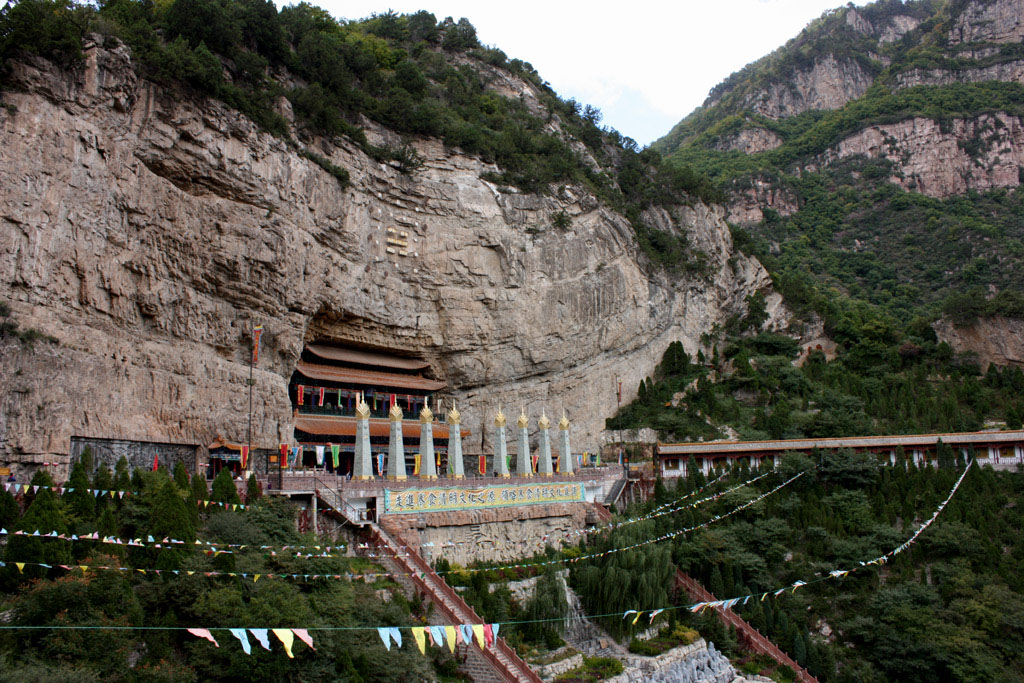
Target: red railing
(750, 635)
(519, 671)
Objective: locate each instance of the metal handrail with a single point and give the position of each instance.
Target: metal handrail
(751, 634)
(456, 599)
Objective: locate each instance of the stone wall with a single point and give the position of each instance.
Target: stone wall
(490, 535)
(139, 454)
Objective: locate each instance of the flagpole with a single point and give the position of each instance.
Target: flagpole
(257, 331)
(249, 438)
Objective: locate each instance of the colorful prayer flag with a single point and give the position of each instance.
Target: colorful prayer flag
(257, 332)
(245, 456)
(204, 633)
(320, 397)
(300, 393)
(483, 464)
(419, 637)
(335, 449)
(287, 638)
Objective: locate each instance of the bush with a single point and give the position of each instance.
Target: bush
(593, 669)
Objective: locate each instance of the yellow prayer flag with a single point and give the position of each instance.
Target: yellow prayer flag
(419, 636)
(20, 566)
(286, 637)
(449, 634)
(478, 632)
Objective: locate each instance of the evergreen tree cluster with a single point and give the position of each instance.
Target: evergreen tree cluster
(946, 609)
(165, 506)
(885, 379)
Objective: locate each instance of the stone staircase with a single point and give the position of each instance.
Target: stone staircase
(334, 502)
(497, 663)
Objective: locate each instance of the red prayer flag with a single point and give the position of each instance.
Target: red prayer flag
(320, 400)
(256, 332)
(245, 456)
(483, 464)
(300, 392)
(156, 461)
(391, 401)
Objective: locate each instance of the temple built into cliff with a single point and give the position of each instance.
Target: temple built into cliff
(325, 390)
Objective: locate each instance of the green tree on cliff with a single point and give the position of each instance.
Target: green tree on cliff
(80, 501)
(181, 475)
(46, 514)
(224, 490)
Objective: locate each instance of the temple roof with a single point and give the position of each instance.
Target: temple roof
(328, 425)
(367, 377)
(381, 360)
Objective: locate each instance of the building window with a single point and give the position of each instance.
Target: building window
(672, 464)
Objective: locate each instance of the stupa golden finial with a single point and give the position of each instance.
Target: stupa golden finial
(543, 422)
(563, 424)
(362, 410)
(396, 413)
(426, 415)
(523, 421)
(454, 416)
(499, 419)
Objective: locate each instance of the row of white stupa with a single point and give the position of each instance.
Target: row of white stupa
(396, 468)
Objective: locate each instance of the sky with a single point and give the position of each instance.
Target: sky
(644, 64)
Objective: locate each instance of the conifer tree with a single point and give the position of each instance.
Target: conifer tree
(252, 490)
(45, 514)
(800, 649)
(138, 483)
(224, 490)
(103, 481)
(944, 454)
(122, 477)
(716, 584)
(169, 518)
(79, 499)
(181, 475)
(8, 510)
(199, 490)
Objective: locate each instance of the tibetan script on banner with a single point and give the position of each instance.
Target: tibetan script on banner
(448, 499)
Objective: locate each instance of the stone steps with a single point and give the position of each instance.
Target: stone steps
(497, 663)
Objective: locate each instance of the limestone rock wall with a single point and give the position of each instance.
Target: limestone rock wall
(1011, 71)
(828, 84)
(148, 232)
(992, 21)
(944, 159)
(492, 534)
(993, 340)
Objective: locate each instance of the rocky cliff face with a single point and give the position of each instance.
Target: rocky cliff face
(996, 21)
(828, 84)
(147, 232)
(944, 159)
(992, 340)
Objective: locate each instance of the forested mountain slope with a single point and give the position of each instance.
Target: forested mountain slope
(879, 151)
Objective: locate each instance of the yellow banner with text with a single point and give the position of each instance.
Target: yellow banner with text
(464, 498)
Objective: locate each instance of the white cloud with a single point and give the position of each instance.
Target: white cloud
(645, 64)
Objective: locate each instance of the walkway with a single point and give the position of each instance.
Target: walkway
(501, 656)
(747, 633)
